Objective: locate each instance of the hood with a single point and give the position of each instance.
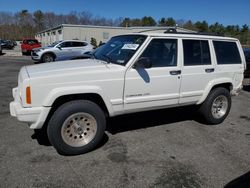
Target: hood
(66, 68)
(42, 48)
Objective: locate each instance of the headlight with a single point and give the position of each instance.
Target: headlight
(38, 50)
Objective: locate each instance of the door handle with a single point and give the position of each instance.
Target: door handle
(175, 72)
(209, 70)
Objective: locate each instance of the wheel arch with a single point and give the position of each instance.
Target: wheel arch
(50, 53)
(59, 96)
(225, 83)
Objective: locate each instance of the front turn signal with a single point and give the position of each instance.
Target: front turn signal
(28, 95)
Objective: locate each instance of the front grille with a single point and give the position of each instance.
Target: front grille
(33, 53)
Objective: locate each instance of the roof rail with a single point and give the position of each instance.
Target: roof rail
(148, 30)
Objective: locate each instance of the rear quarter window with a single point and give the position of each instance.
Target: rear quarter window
(227, 52)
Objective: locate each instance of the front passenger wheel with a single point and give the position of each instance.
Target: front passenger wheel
(48, 58)
(76, 127)
(216, 106)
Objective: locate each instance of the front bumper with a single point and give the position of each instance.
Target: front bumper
(35, 56)
(34, 116)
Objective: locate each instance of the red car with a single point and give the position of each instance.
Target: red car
(29, 44)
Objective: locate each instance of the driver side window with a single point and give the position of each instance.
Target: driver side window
(161, 52)
(66, 44)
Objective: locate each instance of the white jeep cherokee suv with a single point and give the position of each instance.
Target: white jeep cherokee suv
(62, 50)
(130, 73)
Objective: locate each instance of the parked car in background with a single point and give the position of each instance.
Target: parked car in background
(62, 50)
(28, 44)
(10, 44)
(7, 44)
(247, 56)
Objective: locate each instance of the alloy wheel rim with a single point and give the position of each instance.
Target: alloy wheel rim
(219, 107)
(79, 129)
(48, 59)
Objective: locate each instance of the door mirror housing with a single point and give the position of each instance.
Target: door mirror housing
(143, 62)
(59, 47)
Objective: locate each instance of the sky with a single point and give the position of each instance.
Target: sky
(227, 12)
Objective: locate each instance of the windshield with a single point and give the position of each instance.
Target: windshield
(119, 49)
(32, 41)
(53, 44)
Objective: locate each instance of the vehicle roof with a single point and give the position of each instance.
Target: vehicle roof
(29, 39)
(184, 35)
(73, 41)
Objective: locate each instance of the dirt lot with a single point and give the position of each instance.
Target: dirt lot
(166, 148)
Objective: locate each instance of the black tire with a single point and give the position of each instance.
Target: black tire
(206, 108)
(48, 58)
(61, 115)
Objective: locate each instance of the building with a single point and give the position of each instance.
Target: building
(86, 32)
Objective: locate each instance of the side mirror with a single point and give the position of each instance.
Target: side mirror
(59, 47)
(143, 62)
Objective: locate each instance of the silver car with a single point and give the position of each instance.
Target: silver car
(62, 50)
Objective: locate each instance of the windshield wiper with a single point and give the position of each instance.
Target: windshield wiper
(107, 57)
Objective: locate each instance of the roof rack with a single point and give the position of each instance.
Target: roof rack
(154, 29)
(173, 30)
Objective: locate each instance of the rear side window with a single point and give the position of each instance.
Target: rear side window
(226, 52)
(83, 44)
(79, 44)
(196, 52)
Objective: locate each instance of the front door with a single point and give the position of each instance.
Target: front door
(65, 51)
(155, 86)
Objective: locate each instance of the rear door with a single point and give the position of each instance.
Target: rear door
(78, 48)
(198, 69)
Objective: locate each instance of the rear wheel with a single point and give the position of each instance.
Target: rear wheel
(48, 58)
(217, 106)
(76, 127)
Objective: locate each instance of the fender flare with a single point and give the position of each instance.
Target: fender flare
(62, 91)
(211, 84)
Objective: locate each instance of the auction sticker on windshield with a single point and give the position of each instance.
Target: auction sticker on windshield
(130, 46)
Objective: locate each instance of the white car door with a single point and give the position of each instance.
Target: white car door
(158, 85)
(198, 69)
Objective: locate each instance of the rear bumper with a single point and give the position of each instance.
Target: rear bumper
(34, 116)
(236, 91)
(26, 50)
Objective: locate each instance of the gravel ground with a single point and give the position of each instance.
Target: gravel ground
(165, 148)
